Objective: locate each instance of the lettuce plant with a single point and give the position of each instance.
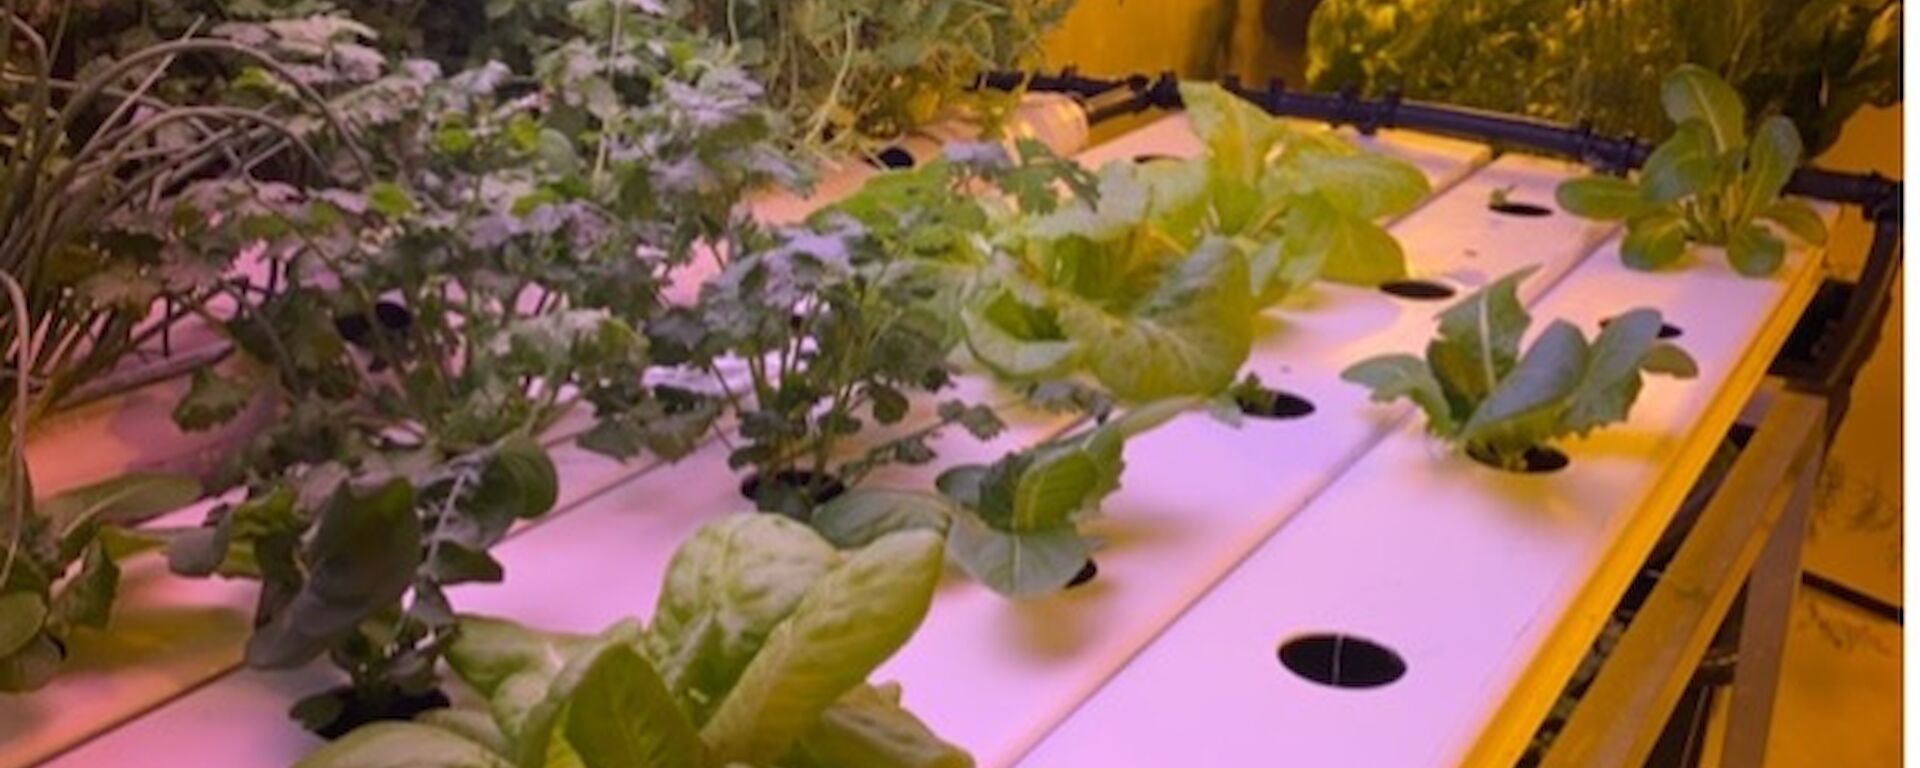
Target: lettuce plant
(1013, 525)
(1709, 183)
(1480, 392)
(757, 653)
(1150, 281)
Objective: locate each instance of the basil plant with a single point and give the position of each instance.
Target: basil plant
(757, 654)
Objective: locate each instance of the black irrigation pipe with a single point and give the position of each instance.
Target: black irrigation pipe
(1880, 609)
(1848, 340)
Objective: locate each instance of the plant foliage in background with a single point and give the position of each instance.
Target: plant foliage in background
(843, 74)
(1480, 392)
(757, 654)
(852, 72)
(1709, 183)
(1815, 61)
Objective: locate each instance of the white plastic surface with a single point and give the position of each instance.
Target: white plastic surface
(1463, 570)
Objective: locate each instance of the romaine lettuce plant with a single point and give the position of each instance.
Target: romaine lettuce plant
(1480, 392)
(757, 653)
(1150, 282)
(1014, 525)
(1709, 183)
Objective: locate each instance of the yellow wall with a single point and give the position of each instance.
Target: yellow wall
(1858, 522)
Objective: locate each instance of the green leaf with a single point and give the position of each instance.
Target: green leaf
(22, 615)
(1771, 158)
(211, 400)
(1524, 410)
(1012, 356)
(1239, 136)
(1479, 340)
(31, 666)
(1189, 336)
(390, 200)
(1350, 249)
(1654, 241)
(1056, 485)
(868, 727)
(510, 666)
(519, 482)
(1755, 252)
(360, 561)
(1363, 185)
(1668, 359)
(859, 517)
(1611, 381)
(621, 716)
(737, 578)
(1695, 93)
(87, 599)
(1603, 198)
(1684, 165)
(1798, 219)
(402, 745)
(124, 500)
(1018, 565)
(1392, 377)
(852, 620)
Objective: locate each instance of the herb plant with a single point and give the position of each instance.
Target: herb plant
(1013, 525)
(1150, 283)
(1708, 183)
(757, 654)
(1480, 392)
(431, 328)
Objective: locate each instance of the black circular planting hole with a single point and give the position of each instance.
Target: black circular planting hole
(1153, 158)
(894, 157)
(1512, 208)
(792, 486)
(1342, 661)
(1418, 290)
(1536, 461)
(1267, 403)
(337, 712)
(357, 328)
(1667, 330)
(1086, 574)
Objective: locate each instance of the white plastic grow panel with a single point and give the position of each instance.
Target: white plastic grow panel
(995, 675)
(1487, 585)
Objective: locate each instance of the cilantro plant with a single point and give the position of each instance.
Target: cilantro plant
(841, 319)
(1150, 282)
(1013, 525)
(430, 329)
(1480, 392)
(757, 654)
(1708, 184)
